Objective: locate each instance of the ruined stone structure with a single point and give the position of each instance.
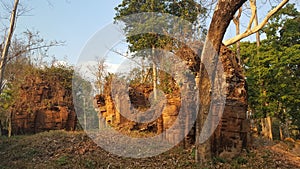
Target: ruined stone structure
(43, 104)
(232, 131)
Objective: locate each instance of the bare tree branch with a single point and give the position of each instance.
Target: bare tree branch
(236, 21)
(7, 42)
(256, 28)
(253, 13)
(29, 48)
(99, 71)
(126, 56)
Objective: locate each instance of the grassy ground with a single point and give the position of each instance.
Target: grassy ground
(60, 149)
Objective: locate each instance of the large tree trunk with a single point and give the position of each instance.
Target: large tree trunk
(222, 16)
(280, 132)
(9, 123)
(266, 126)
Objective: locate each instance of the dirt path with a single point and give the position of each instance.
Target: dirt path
(285, 155)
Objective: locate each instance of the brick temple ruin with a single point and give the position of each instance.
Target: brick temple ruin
(43, 104)
(233, 128)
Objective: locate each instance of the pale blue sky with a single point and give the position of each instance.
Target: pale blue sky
(76, 21)
(68, 20)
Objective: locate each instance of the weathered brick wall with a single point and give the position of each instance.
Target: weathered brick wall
(42, 105)
(233, 128)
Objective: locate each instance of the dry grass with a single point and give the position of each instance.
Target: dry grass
(60, 149)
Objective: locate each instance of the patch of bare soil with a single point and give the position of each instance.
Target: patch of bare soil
(60, 149)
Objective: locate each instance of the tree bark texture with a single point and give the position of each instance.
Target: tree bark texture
(266, 125)
(222, 16)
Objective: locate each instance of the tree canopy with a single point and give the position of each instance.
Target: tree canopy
(187, 10)
(273, 73)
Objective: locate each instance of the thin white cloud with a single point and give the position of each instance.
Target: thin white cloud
(112, 67)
